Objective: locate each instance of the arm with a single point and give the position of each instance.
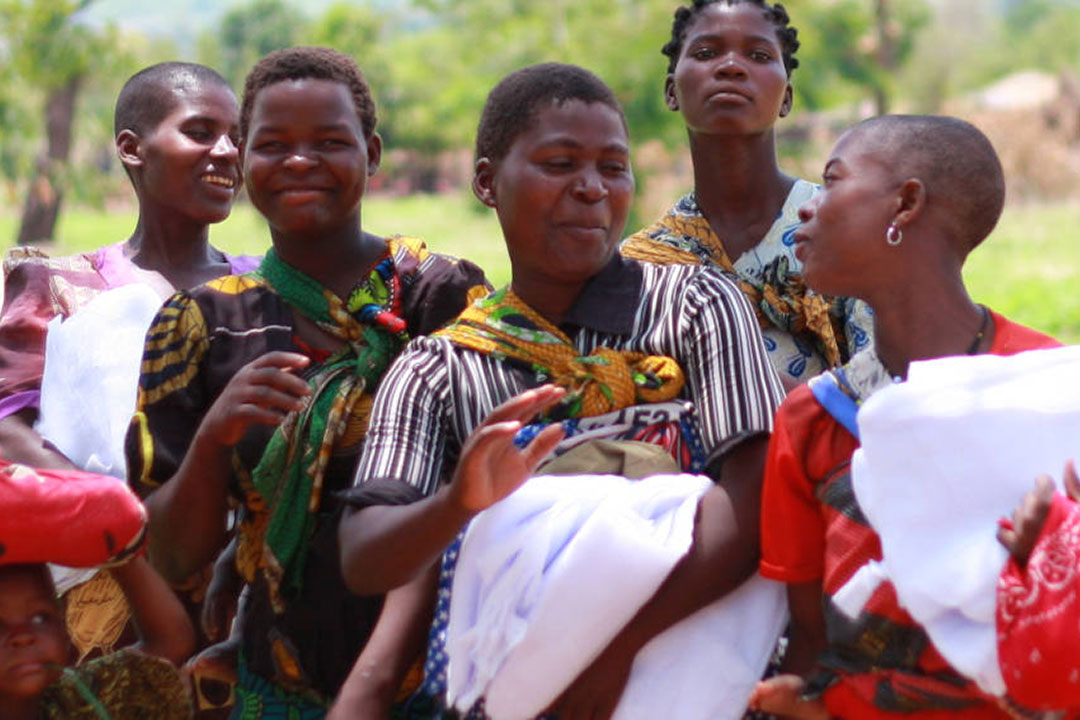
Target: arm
(396, 642)
(384, 547)
(188, 512)
(163, 626)
(20, 443)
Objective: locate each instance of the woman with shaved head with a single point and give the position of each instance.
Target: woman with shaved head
(905, 200)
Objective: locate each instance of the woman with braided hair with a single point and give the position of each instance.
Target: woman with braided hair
(729, 75)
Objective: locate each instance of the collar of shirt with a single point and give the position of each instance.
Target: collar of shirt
(610, 300)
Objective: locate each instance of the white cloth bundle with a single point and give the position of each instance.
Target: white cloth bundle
(943, 457)
(91, 377)
(547, 577)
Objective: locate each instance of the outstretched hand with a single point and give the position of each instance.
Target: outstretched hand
(263, 391)
(491, 466)
(1021, 533)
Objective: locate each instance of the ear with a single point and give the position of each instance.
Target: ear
(910, 202)
(789, 101)
(483, 182)
(128, 149)
(670, 100)
(374, 153)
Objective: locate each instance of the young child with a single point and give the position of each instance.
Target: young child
(140, 681)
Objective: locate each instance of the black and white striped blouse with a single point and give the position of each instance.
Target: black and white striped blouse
(435, 394)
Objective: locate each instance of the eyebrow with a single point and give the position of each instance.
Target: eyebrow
(567, 140)
(713, 37)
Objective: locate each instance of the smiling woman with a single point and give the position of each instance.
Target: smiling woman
(176, 128)
(257, 389)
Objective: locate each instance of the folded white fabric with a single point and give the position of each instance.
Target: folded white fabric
(546, 578)
(91, 377)
(943, 456)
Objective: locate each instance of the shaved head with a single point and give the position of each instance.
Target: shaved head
(955, 162)
(151, 94)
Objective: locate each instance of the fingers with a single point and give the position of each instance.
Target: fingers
(1072, 481)
(525, 406)
(1007, 537)
(542, 445)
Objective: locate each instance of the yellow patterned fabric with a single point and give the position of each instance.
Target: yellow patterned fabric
(96, 613)
(778, 295)
(603, 381)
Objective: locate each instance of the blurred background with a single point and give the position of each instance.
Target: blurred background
(1010, 66)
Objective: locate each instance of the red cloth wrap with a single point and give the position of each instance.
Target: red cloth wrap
(67, 517)
(1038, 616)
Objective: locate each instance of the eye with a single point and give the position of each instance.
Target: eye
(761, 56)
(558, 163)
(334, 143)
(199, 134)
(614, 167)
(702, 53)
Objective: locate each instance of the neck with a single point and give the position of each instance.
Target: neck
(937, 320)
(737, 175)
(551, 300)
(18, 708)
(175, 247)
(336, 259)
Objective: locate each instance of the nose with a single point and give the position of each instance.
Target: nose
(590, 187)
(20, 636)
(225, 147)
(300, 161)
(808, 208)
(730, 66)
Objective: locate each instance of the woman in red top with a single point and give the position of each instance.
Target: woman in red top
(905, 199)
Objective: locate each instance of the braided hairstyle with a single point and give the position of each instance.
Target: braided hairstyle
(775, 13)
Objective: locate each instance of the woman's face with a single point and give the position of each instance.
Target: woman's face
(190, 163)
(730, 75)
(306, 160)
(33, 642)
(841, 241)
(562, 193)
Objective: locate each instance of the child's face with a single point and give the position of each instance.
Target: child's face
(306, 159)
(33, 642)
(563, 191)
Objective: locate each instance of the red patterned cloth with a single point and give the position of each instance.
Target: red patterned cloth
(66, 517)
(1038, 616)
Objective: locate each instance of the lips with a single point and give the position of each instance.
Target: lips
(729, 92)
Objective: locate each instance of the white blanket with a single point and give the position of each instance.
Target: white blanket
(91, 377)
(547, 577)
(943, 457)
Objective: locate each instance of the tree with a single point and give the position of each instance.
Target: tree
(250, 31)
(51, 50)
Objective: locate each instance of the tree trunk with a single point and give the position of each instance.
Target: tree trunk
(886, 55)
(44, 194)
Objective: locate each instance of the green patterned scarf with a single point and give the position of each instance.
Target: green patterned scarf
(289, 477)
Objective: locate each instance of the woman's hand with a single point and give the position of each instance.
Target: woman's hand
(1021, 533)
(491, 466)
(782, 696)
(222, 595)
(263, 391)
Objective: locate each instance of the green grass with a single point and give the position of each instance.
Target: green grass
(1029, 269)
